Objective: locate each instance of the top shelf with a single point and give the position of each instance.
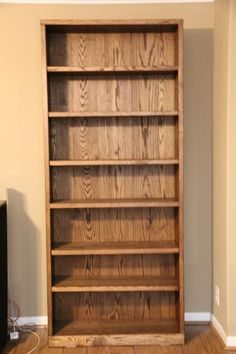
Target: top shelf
(110, 69)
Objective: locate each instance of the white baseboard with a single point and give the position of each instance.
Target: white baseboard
(230, 341)
(189, 316)
(197, 316)
(219, 329)
(38, 320)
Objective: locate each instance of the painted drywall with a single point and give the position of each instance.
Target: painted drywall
(21, 142)
(231, 170)
(224, 203)
(221, 45)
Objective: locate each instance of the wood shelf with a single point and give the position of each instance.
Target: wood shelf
(113, 162)
(96, 333)
(114, 203)
(102, 284)
(112, 69)
(112, 114)
(114, 248)
(116, 327)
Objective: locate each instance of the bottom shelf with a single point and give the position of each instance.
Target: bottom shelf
(115, 327)
(90, 333)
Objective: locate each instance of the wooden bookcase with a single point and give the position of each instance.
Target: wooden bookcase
(114, 181)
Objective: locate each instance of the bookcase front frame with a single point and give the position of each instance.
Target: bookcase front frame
(110, 123)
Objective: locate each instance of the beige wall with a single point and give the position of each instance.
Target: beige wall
(21, 142)
(219, 157)
(224, 203)
(231, 168)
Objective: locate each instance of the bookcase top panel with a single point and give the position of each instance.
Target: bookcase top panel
(168, 25)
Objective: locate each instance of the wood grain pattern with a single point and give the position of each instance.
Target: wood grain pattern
(102, 284)
(116, 327)
(112, 49)
(113, 162)
(109, 69)
(164, 24)
(193, 344)
(114, 225)
(116, 339)
(119, 92)
(125, 350)
(113, 182)
(81, 350)
(115, 306)
(113, 114)
(193, 341)
(172, 349)
(98, 350)
(47, 177)
(115, 203)
(111, 266)
(210, 342)
(103, 248)
(180, 182)
(114, 145)
(113, 139)
(44, 349)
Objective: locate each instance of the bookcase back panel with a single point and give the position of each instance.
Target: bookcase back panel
(115, 266)
(114, 225)
(112, 182)
(115, 306)
(113, 138)
(116, 92)
(112, 49)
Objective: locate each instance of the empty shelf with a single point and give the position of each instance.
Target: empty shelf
(102, 284)
(114, 203)
(114, 248)
(112, 114)
(111, 69)
(115, 327)
(114, 162)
